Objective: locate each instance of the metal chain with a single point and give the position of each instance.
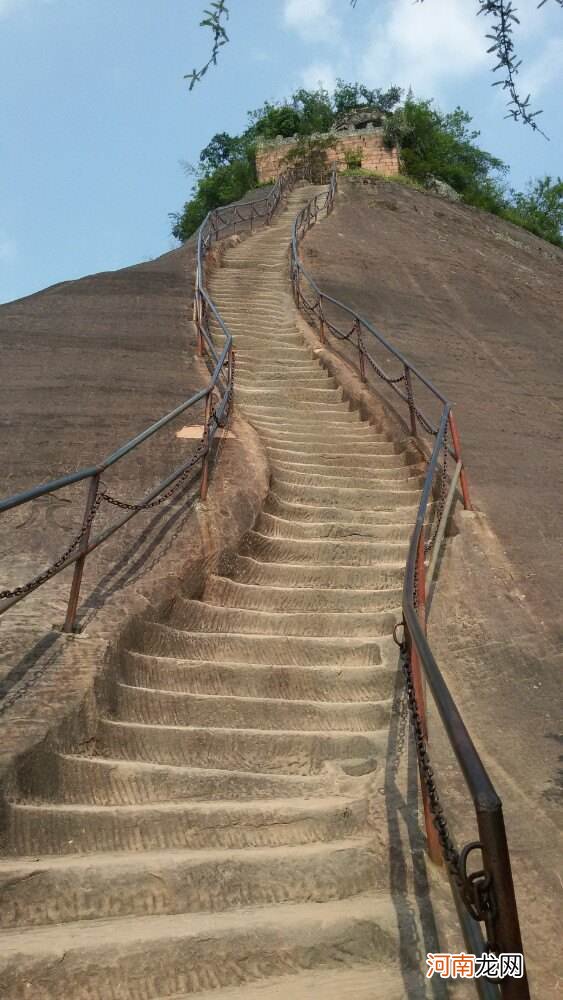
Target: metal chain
(442, 497)
(381, 373)
(37, 581)
(198, 454)
(103, 495)
(449, 851)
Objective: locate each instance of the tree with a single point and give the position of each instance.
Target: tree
(501, 15)
(539, 209)
(434, 144)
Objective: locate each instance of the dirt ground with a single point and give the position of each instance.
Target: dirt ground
(476, 304)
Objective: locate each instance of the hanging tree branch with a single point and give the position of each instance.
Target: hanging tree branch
(215, 19)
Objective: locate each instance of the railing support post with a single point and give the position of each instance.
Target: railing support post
(457, 452)
(204, 485)
(322, 331)
(79, 564)
(506, 926)
(361, 357)
(410, 398)
(432, 839)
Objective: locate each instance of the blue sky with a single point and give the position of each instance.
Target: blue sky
(96, 118)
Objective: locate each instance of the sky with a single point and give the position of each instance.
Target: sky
(96, 120)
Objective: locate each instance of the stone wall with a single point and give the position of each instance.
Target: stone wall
(271, 156)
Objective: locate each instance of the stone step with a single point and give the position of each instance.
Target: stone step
(344, 684)
(361, 474)
(221, 591)
(198, 616)
(271, 377)
(270, 752)
(333, 436)
(278, 527)
(374, 458)
(364, 479)
(364, 552)
(255, 399)
(63, 890)
(280, 650)
(82, 829)
(361, 983)
(159, 956)
(247, 570)
(111, 781)
(304, 512)
(344, 497)
(177, 708)
(314, 414)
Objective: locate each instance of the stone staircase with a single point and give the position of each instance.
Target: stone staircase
(220, 839)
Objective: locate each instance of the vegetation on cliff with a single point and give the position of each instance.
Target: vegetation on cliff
(433, 145)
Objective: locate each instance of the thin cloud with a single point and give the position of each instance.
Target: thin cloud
(319, 74)
(545, 70)
(313, 20)
(424, 45)
(8, 248)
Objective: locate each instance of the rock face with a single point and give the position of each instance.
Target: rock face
(442, 189)
(227, 827)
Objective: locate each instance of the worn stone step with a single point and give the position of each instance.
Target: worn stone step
(300, 435)
(270, 752)
(304, 512)
(374, 479)
(248, 570)
(314, 414)
(112, 781)
(296, 375)
(281, 650)
(362, 983)
(358, 475)
(159, 956)
(256, 399)
(222, 591)
(278, 527)
(198, 616)
(82, 829)
(178, 708)
(56, 891)
(338, 552)
(372, 499)
(256, 680)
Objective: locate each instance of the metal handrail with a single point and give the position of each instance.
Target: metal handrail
(221, 383)
(486, 896)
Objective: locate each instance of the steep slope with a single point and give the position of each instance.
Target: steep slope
(226, 829)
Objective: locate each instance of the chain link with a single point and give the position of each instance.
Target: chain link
(442, 497)
(37, 581)
(104, 496)
(449, 851)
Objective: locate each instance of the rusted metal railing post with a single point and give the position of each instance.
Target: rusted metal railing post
(457, 452)
(432, 838)
(410, 400)
(199, 321)
(204, 485)
(506, 926)
(322, 330)
(79, 564)
(361, 357)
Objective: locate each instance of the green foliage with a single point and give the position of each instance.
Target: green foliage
(353, 158)
(431, 143)
(227, 167)
(434, 144)
(348, 96)
(539, 209)
(219, 186)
